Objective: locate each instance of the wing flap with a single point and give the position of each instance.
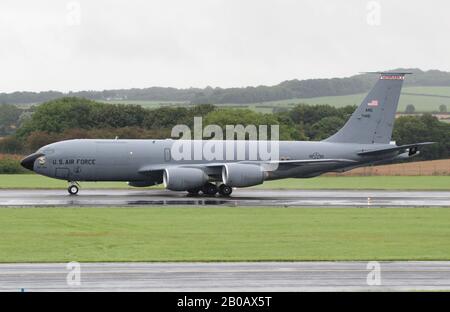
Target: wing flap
(304, 162)
(393, 149)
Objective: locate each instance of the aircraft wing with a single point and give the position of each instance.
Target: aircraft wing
(304, 162)
(290, 162)
(274, 164)
(158, 169)
(412, 147)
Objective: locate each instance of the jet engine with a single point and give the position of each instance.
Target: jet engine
(183, 179)
(241, 175)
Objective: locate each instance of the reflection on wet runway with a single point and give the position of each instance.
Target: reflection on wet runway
(240, 197)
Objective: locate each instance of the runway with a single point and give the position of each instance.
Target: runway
(260, 276)
(240, 197)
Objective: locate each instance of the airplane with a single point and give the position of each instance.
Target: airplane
(364, 140)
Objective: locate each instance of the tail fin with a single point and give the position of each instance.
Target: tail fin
(373, 120)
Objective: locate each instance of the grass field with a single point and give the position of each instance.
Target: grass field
(424, 99)
(223, 234)
(21, 181)
(442, 91)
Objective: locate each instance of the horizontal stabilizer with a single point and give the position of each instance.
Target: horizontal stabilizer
(375, 152)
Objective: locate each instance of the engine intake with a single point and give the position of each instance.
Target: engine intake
(183, 179)
(242, 175)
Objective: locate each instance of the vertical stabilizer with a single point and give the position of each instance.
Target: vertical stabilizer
(373, 120)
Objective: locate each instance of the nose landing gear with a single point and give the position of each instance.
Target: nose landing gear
(73, 188)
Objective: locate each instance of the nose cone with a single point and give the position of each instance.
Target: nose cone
(28, 162)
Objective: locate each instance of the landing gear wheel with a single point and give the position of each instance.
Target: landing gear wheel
(193, 192)
(225, 190)
(73, 189)
(209, 189)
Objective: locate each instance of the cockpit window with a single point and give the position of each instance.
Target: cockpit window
(41, 161)
(48, 151)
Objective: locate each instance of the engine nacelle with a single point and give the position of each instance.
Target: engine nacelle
(242, 175)
(183, 179)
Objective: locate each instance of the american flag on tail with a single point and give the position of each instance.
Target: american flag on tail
(373, 103)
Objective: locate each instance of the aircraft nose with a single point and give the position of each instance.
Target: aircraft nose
(28, 162)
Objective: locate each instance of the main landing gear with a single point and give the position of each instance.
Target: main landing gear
(211, 189)
(225, 190)
(73, 188)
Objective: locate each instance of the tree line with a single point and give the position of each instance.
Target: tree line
(71, 118)
(290, 89)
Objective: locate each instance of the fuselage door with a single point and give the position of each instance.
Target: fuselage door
(62, 173)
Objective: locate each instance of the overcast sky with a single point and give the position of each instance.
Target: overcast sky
(107, 44)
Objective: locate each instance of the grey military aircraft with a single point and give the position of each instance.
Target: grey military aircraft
(364, 140)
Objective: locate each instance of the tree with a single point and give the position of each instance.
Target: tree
(410, 109)
(37, 139)
(11, 145)
(9, 118)
(443, 108)
(326, 127)
(425, 128)
(68, 113)
(245, 117)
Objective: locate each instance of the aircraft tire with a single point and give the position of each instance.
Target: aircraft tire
(225, 190)
(72, 189)
(209, 189)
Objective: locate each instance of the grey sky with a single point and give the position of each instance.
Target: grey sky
(106, 44)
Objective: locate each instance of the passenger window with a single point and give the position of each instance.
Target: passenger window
(167, 156)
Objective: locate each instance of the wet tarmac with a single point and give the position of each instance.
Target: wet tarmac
(240, 197)
(238, 276)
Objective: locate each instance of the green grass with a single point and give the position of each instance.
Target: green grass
(424, 99)
(442, 91)
(223, 234)
(24, 181)
(34, 181)
(361, 183)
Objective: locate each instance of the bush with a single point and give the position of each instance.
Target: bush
(425, 128)
(37, 139)
(410, 109)
(11, 145)
(11, 164)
